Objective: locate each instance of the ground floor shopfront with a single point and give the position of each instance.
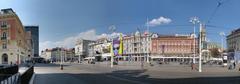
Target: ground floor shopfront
(183, 58)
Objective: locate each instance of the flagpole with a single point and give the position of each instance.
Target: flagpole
(148, 42)
(112, 29)
(111, 53)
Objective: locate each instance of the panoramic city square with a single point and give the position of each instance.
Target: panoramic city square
(120, 42)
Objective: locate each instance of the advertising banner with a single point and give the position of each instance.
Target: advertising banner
(117, 46)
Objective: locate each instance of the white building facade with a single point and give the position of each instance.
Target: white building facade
(82, 47)
(136, 46)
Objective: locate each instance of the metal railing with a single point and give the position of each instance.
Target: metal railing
(9, 70)
(10, 75)
(13, 79)
(27, 75)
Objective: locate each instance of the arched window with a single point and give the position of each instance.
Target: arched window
(4, 59)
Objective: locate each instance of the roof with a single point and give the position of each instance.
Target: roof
(234, 32)
(7, 10)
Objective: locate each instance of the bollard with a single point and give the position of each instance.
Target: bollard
(61, 67)
(193, 66)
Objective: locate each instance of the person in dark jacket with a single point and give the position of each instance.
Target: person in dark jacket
(234, 65)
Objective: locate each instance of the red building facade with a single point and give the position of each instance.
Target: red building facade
(173, 46)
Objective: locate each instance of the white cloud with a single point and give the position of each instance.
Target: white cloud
(69, 42)
(46, 44)
(159, 21)
(113, 35)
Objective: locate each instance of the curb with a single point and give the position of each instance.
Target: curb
(32, 79)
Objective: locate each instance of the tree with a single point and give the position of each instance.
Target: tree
(215, 52)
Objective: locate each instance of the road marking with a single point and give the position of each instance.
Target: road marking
(123, 79)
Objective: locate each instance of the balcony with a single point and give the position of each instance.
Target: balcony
(3, 38)
(4, 26)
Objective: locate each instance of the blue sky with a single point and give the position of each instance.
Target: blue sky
(63, 20)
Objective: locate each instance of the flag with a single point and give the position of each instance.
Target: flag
(120, 51)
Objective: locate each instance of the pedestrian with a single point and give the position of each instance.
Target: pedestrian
(11, 63)
(234, 65)
(192, 65)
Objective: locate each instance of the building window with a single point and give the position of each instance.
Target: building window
(4, 46)
(4, 36)
(4, 24)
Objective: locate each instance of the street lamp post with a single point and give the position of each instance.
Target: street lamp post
(148, 42)
(141, 49)
(61, 56)
(194, 21)
(200, 49)
(79, 54)
(79, 58)
(112, 29)
(61, 64)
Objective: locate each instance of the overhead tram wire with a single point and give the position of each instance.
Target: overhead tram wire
(220, 3)
(215, 27)
(163, 26)
(214, 12)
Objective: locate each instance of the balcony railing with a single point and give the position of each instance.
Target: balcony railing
(3, 38)
(4, 26)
